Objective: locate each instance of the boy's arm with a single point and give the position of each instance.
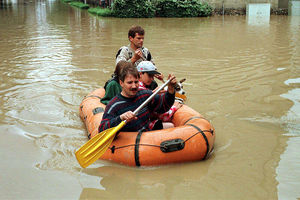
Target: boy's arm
(162, 102)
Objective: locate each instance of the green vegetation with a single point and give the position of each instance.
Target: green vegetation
(79, 5)
(104, 12)
(133, 8)
(182, 8)
(66, 1)
(148, 8)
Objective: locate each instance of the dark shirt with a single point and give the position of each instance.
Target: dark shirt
(152, 85)
(160, 103)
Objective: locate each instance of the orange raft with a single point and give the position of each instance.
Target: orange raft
(191, 139)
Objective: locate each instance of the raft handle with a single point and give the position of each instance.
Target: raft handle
(171, 145)
(98, 110)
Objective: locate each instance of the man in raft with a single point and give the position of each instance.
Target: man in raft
(135, 52)
(123, 105)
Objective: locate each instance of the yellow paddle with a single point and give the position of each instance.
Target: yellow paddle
(97, 146)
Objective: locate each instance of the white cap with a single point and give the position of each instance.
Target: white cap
(147, 66)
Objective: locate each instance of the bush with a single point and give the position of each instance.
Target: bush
(104, 12)
(133, 8)
(66, 1)
(79, 5)
(182, 8)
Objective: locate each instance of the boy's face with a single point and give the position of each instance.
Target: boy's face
(146, 78)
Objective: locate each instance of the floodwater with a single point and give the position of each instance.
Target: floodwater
(243, 74)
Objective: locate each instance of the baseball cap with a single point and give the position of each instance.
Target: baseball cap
(147, 66)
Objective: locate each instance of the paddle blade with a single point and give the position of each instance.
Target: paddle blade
(97, 146)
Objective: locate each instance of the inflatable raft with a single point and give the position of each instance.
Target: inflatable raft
(191, 139)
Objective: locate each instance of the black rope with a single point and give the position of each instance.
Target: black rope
(93, 96)
(204, 137)
(85, 98)
(195, 117)
(197, 133)
(153, 145)
(130, 145)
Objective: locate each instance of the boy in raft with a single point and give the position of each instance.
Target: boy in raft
(112, 87)
(147, 71)
(122, 106)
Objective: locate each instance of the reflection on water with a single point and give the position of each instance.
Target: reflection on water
(258, 20)
(288, 187)
(241, 74)
(288, 170)
(147, 183)
(289, 182)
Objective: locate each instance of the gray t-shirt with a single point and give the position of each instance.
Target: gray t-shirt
(126, 52)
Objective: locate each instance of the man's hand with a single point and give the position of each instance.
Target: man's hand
(171, 84)
(128, 116)
(137, 55)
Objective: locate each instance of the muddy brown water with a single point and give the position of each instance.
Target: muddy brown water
(243, 74)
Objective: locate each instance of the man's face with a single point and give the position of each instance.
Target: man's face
(146, 78)
(129, 86)
(137, 41)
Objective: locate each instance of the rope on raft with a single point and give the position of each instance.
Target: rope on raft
(113, 148)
